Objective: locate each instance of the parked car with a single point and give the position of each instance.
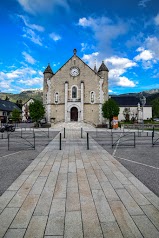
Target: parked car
(156, 119)
(2, 129)
(8, 127)
(43, 121)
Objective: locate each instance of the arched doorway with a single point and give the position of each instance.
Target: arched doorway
(74, 114)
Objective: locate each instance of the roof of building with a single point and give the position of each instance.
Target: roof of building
(128, 101)
(8, 106)
(103, 67)
(48, 70)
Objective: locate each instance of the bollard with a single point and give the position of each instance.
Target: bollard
(8, 140)
(21, 132)
(87, 141)
(48, 133)
(60, 141)
(81, 133)
(153, 132)
(34, 139)
(64, 132)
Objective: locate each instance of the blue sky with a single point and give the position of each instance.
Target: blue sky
(125, 34)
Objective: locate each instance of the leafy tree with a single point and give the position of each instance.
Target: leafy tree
(36, 110)
(16, 115)
(110, 109)
(155, 107)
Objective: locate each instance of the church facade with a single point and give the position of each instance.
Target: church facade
(75, 92)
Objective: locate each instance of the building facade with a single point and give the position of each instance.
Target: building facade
(75, 92)
(25, 110)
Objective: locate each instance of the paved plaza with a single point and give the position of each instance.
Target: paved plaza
(75, 193)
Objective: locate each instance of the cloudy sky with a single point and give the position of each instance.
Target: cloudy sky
(125, 34)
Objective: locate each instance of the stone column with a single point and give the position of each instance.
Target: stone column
(66, 100)
(82, 99)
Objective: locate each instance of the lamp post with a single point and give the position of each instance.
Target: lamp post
(143, 102)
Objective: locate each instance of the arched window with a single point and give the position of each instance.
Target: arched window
(74, 92)
(56, 97)
(92, 97)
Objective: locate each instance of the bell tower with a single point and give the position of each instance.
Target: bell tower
(103, 73)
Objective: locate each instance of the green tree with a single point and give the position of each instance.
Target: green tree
(37, 111)
(19, 103)
(126, 114)
(155, 107)
(110, 109)
(16, 115)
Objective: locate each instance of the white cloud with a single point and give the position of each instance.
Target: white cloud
(31, 26)
(118, 62)
(142, 3)
(152, 44)
(117, 67)
(144, 55)
(16, 79)
(104, 30)
(28, 58)
(55, 37)
(125, 82)
(42, 6)
(30, 34)
(156, 19)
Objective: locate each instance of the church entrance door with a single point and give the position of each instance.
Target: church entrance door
(74, 114)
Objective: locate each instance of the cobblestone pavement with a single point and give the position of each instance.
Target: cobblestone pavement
(75, 193)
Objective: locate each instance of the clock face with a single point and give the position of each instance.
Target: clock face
(74, 71)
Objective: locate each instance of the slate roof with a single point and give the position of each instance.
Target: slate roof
(48, 70)
(8, 106)
(103, 67)
(128, 101)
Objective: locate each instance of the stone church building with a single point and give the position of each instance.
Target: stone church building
(75, 92)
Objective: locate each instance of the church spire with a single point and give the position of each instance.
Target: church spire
(95, 68)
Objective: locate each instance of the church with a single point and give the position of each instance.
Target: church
(75, 92)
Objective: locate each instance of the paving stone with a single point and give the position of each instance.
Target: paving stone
(91, 225)
(153, 199)
(100, 175)
(18, 182)
(72, 202)
(142, 188)
(152, 213)
(40, 166)
(121, 177)
(109, 191)
(55, 224)
(24, 215)
(51, 181)
(38, 185)
(93, 181)
(124, 220)
(6, 218)
(60, 189)
(129, 202)
(138, 197)
(81, 174)
(104, 212)
(58, 205)
(36, 227)
(15, 233)
(111, 230)
(114, 180)
(79, 163)
(73, 225)
(5, 198)
(146, 227)
(46, 170)
(56, 167)
(53, 236)
(22, 193)
(72, 167)
(72, 180)
(44, 203)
